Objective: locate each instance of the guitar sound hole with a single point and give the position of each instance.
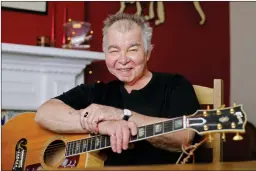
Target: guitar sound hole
(54, 153)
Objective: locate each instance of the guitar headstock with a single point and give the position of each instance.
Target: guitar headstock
(224, 120)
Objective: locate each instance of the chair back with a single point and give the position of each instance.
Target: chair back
(212, 96)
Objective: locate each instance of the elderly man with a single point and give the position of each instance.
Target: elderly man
(138, 97)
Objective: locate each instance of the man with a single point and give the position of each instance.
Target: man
(139, 97)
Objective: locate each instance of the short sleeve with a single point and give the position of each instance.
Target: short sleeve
(180, 98)
(78, 97)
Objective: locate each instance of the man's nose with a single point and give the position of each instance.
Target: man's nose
(123, 59)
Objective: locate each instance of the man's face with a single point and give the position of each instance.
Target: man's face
(125, 53)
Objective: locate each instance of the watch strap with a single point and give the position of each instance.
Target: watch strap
(126, 117)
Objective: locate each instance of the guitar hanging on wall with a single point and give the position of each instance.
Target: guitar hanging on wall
(26, 146)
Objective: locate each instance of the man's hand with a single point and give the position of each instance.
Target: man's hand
(95, 113)
(119, 132)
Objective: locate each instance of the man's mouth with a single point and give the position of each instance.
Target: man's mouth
(124, 69)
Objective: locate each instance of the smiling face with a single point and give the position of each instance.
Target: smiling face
(125, 52)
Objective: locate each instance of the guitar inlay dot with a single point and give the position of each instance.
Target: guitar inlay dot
(178, 124)
(158, 128)
(97, 142)
(141, 132)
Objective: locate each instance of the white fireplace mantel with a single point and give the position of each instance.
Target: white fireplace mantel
(33, 74)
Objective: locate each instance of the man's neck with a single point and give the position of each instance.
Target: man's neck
(140, 83)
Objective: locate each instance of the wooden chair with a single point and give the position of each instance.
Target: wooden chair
(212, 96)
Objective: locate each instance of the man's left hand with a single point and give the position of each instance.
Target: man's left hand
(95, 113)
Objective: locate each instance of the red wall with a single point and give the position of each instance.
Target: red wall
(23, 28)
(201, 53)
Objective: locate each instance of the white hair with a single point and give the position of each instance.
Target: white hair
(126, 22)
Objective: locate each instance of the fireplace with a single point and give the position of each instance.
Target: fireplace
(31, 75)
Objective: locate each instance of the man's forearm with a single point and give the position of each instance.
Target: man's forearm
(69, 121)
(172, 141)
(58, 117)
(142, 120)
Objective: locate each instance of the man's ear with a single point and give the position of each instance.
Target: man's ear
(149, 53)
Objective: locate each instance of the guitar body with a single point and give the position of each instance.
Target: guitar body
(26, 146)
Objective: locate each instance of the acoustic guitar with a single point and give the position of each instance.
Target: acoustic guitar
(26, 146)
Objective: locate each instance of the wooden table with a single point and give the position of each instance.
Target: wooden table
(248, 165)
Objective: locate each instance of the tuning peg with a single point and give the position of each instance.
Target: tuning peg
(222, 106)
(206, 128)
(237, 137)
(218, 112)
(210, 139)
(219, 126)
(205, 114)
(233, 125)
(223, 136)
(232, 111)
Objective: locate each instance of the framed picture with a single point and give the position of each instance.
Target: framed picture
(39, 7)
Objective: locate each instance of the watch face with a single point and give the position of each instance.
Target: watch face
(127, 112)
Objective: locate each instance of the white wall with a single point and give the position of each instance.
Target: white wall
(243, 56)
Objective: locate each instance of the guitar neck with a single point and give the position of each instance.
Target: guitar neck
(99, 142)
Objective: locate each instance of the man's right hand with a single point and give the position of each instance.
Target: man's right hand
(119, 132)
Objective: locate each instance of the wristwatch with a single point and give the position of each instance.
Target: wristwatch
(127, 114)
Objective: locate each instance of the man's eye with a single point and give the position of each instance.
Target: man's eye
(134, 50)
(112, 51)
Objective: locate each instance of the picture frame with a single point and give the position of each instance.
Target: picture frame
(33, 7)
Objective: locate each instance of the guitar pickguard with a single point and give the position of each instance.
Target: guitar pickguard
(69, 162)
(20, 155)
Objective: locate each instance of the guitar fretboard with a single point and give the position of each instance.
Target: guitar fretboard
(103, 141)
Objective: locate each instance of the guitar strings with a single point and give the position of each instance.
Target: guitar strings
(168, 125)
(61, 145)
(57, 146)
(50, 148)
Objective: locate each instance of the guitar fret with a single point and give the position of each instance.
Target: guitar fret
(93, 143)
(149, 130)
(97, 142)
(67, 148)
(70, 148)
(81, 146)
(85, 145)
(89, 144)
(173, 125)
(168, 126)
(78, 146)
(108, 141)
(74, 148)
(103, 141)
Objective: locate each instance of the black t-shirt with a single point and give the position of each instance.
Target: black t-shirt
(166, 96)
